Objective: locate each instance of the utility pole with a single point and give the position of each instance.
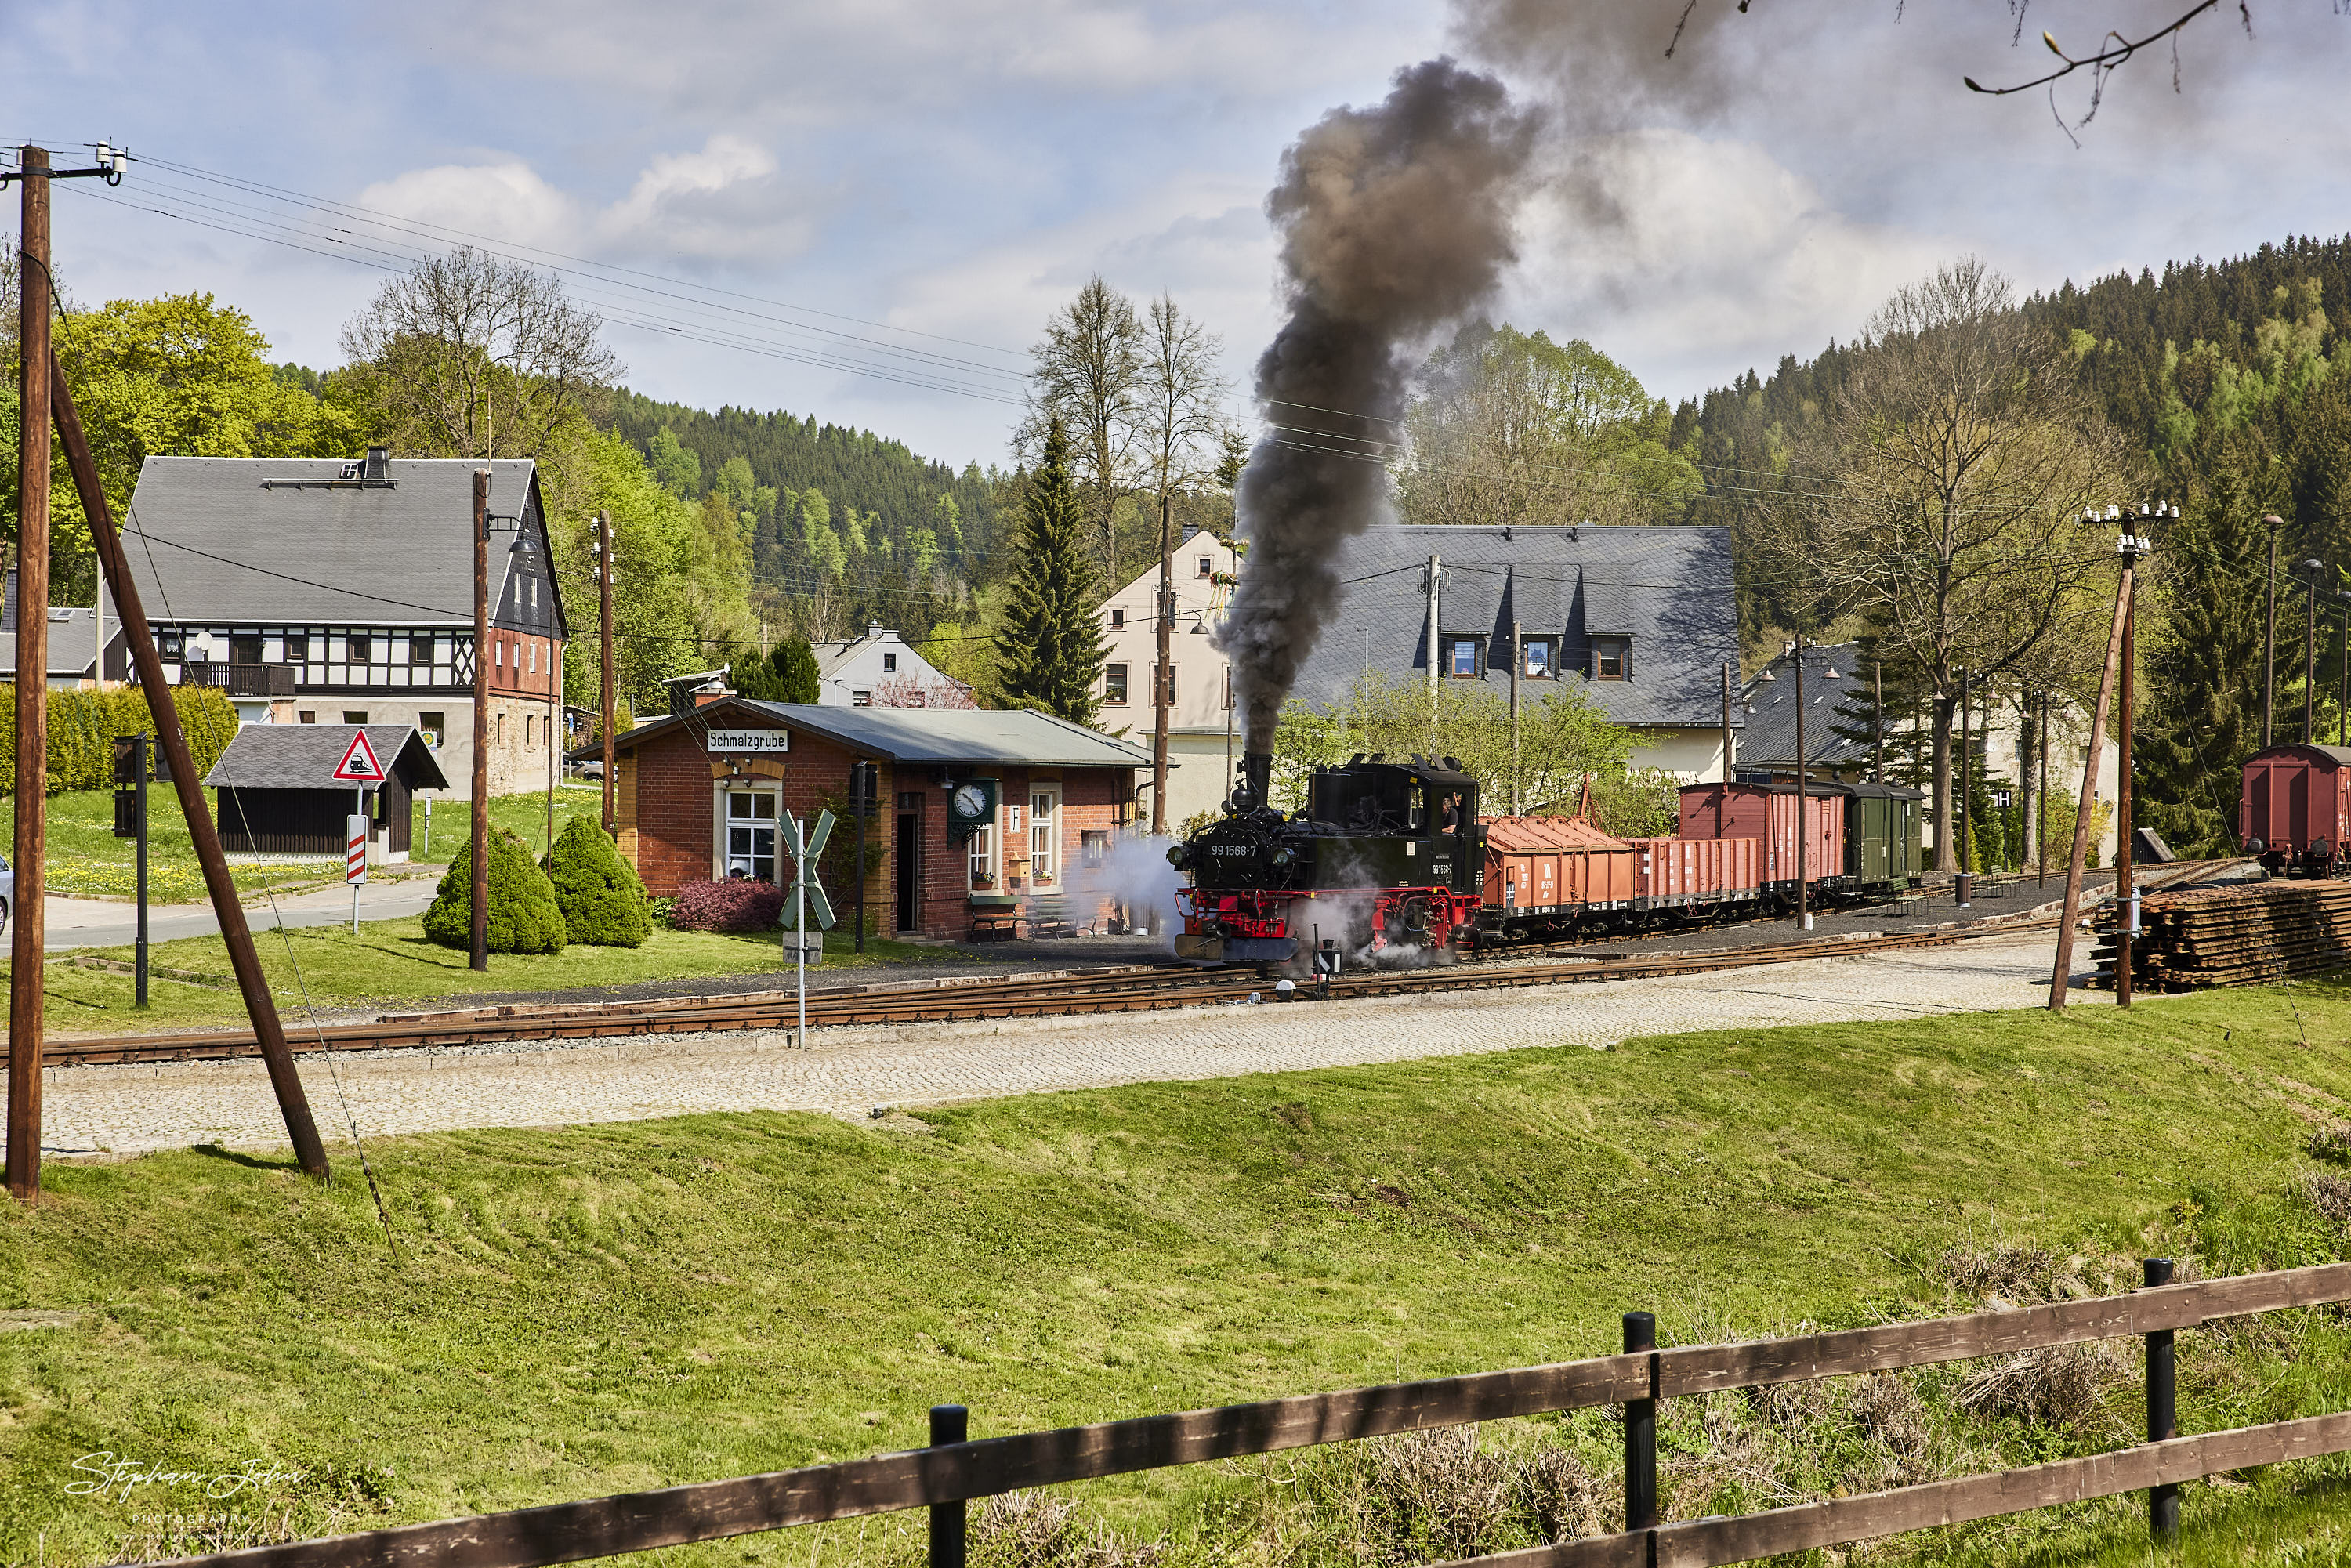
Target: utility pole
(1963, 881)
(236, 935)
(2134, 545)
(1730, 764)
(2309, 656)
(2040, 827)
(1165, 633)
(1877, 715)
(27, 931)
(481, 794)
(2343, 681)
(607, 709)
(2269, 644)
(1432, 654)
(2026, 794)
(2061, 973)
(1803, 795)
(1518, 642)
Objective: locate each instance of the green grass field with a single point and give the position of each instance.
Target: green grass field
(391, 963)
(575, 1312)
(85, 860)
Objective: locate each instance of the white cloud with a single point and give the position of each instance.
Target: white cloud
(1692, 258)
(720, 204)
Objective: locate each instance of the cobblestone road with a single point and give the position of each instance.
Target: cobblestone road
(848, 1070)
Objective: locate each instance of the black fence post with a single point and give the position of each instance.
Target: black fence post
(2162, 1411)
(949, 1424)
(1641, 1429)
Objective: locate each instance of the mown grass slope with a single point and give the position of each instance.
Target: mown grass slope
(580, 1311)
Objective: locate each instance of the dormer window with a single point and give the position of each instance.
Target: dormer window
(1611, 658)
(1541, 655)
(1461, 658)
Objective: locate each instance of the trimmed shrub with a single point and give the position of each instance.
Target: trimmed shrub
(83, 724)
(602, 901)
(727, 905)
(524, 918)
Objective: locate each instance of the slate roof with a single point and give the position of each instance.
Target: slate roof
(920, 737)
(1836, 693)
(1668, 589)
(70, 639)
(305, 756)
(280, 541)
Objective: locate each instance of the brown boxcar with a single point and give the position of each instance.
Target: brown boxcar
(2295, 796)
(1768, 812)
(1555, 865)
(1697, 871)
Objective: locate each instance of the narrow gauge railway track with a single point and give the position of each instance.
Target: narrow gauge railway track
(1114, 991)
(1122, 989)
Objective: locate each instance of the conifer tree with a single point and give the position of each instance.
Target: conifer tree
(1049, 653)
(793, 664)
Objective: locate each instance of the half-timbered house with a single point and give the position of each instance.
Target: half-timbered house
(326, 591)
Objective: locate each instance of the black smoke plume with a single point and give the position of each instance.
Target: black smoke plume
(1397, 223)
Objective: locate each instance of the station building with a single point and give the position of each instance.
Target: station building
(984, 816)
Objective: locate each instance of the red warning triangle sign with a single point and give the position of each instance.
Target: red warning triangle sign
(358, 765)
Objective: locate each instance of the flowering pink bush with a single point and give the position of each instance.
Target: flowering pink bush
(726, 906)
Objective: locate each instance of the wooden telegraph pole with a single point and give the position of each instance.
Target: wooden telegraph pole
(607, 708)
(26, 937)
(244, 960)
(1166, 634)
(2061, 974)
(481, 959)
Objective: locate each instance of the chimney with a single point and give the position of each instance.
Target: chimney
(1189, 529)
(379, 461)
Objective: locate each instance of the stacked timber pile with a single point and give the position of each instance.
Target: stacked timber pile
(2238, 936)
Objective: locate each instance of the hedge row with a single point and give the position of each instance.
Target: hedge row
(83, 724)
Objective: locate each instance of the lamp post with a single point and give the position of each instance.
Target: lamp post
(2343, 681)
(2269, 642)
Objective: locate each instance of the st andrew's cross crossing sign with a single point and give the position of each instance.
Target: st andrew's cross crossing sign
(358, 765)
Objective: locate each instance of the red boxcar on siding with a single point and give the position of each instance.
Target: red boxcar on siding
(1768, 812)
(2297, 799)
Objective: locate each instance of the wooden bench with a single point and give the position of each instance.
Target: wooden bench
(1049, 917)
(995, 916)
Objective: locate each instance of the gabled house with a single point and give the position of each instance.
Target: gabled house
(319, 590)
(1201, 747)
(1640, 621)
(879, 670)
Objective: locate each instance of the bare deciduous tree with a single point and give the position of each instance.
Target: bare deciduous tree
(1178, 432)
(1089, 374)
(468, 355)
(1939, 504)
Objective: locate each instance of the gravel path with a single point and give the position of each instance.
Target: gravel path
(848, 1072)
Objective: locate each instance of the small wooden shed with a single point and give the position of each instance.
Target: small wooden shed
(276, 792)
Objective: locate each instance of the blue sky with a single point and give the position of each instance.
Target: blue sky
(952, 172)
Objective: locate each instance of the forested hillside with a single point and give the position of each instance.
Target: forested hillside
(2227, 384)
(842, 524)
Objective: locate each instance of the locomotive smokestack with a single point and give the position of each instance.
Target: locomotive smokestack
(1397, 223)
(1256, 777)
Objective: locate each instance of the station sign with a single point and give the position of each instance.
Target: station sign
(750, 741)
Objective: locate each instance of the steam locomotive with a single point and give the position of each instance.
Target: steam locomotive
(1386, 855)
(1390, 860)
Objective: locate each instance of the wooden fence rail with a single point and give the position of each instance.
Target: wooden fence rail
(946, 1475)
